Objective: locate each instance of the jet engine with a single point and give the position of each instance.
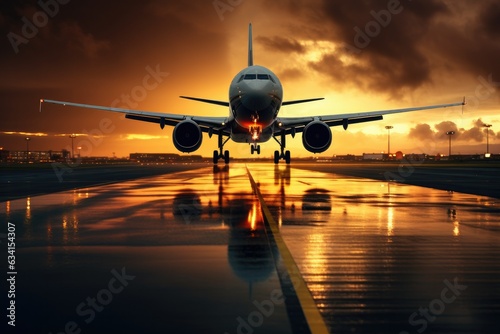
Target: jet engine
(317, 137)
(187, 136)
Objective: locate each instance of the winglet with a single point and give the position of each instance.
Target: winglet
(40, 107)
(464, 102)
(250, 49)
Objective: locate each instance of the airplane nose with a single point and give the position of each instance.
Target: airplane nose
(256, 100)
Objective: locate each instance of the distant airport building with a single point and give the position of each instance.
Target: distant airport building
(34, 156)
(418, 157)
(347, 157)
(153, 157)
(374, 156)
(4, 155)
(22, 157)
(162, 157)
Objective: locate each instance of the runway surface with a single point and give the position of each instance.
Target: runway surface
(193, 251)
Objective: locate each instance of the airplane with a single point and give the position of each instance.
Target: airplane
(255, 100)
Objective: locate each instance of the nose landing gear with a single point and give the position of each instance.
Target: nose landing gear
(255, 148)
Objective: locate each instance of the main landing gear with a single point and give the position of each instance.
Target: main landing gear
(221, 154)
(285, 155)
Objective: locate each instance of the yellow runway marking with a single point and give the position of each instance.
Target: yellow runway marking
(314, 319)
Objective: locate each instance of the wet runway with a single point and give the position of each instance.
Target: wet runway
(191, 252)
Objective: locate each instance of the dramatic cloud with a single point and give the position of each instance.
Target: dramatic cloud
(490, 18)
(80, 42)
(443, 127)
(281, 44)
(360, 55)
(135, 136)
(386, 43)
(397, 47)
(21, 133)
(477, 133)
(422, 132)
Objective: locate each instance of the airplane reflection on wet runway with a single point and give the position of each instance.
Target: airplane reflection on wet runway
(371, 252)
(249, 254)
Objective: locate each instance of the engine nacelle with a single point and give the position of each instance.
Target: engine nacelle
(187, 136)
(317, 137)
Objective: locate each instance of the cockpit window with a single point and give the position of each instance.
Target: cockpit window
(257, 76)
(241, 78)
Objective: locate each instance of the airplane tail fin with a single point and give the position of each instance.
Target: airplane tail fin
(250, 49)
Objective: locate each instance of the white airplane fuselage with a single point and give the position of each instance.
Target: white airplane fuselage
(255, 97)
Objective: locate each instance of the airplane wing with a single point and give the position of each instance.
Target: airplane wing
(297, 124)
(216, 102)
(207, 124)
(226, 104)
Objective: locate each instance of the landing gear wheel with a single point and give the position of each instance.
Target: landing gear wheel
(226, 157)
(216, 157)
(255, 148)
(287, 157)
(276, 157)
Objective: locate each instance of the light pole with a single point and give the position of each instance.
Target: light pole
(487, 126)
(72, 136)
(388, 127)
(27, 149)
(450, 133)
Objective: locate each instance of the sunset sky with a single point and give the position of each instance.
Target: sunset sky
(359, 55)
